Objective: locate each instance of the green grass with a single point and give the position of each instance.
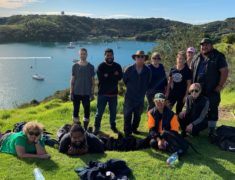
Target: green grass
(146, 164)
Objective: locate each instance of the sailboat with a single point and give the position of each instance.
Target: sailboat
(71, 46)
(36, 76)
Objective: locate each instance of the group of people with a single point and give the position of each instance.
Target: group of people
(195, 81)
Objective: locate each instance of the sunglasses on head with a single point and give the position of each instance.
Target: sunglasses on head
(31, 133)
(194, 90)
(139, 56)
(160, 100)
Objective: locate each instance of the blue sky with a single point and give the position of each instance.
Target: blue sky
(190, 11)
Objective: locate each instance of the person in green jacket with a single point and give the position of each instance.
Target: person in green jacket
(25, 144)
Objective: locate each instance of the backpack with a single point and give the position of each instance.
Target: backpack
(111, 169)
(62, 131)
(176, 143)
(225, 138)
(46, 135)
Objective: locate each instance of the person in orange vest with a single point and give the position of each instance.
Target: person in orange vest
(161, 118)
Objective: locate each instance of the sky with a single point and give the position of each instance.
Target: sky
(189, 11)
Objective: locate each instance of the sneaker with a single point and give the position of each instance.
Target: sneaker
(76, 120)
(115, 130)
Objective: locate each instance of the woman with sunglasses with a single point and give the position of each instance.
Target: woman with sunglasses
(25, 144)
(194, 118)
(178, 83)
(158, 79)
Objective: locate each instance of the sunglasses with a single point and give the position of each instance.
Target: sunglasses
(140, 56)
(31, 133)
(194, 90)
(160, 100)
(156, 58)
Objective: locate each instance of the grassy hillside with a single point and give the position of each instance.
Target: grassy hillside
(146, 164)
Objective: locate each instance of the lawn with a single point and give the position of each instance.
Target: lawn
(146, 164)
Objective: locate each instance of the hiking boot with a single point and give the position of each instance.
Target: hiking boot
(85, 123)
(136, 132)
(96, 131)
(115, 130)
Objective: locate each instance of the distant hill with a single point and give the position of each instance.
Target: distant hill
(23, 28)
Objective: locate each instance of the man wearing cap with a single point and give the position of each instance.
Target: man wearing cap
(109, 73)
(189, 55)
(210, 69)
(137, 78)
(161, 118)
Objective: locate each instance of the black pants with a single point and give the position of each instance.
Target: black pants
(196, 128)
(178, 99)
(214, 99)
(132, 116)
(86, 105)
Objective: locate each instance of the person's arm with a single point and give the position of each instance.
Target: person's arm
(223, 78)
(72, 80)
(202, 114)
(119, 75)
(126, 75)
(100, 74)
(175, 124)
(170, 80)
(95, 145)
(20, 151)
(187, 89)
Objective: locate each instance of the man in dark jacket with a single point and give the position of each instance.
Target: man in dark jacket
(109, 73)
(137, 78)
(210, 69)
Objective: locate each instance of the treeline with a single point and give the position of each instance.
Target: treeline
(72, 28)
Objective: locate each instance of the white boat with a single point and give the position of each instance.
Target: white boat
(38, 77)
(71, 46)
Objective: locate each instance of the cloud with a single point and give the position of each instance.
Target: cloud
(13, 4)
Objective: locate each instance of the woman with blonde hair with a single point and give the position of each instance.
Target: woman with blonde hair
(25, 144)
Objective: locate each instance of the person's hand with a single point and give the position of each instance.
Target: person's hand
(37, 139)
(44, 156)
(218, 88)
(106, 75)
(162, 144)
(189, 128)
(92, 97)
(116, 73)
(182, 114)
(71, 96)
(184, 99)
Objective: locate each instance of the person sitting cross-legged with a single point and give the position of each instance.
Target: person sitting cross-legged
(160, 119)
(194, 118)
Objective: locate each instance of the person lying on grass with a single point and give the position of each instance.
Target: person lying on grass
(161, 118)
(25, 144)
(78, 142)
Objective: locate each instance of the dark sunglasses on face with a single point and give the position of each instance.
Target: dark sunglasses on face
(194, 90)
(31, 133)
(160, 100)
(156, 58)
(139, 56)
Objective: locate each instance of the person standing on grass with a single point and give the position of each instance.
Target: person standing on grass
(158, 81)
(194, 118)
(210, 69)
(109, 74)
(28, 143)
(189, 55)
(137, 79)
(82, 87)
(178, 83)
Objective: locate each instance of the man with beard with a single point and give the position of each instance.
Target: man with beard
(109, 73)
(210, 69)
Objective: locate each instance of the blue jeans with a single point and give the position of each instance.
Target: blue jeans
(101, 104)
